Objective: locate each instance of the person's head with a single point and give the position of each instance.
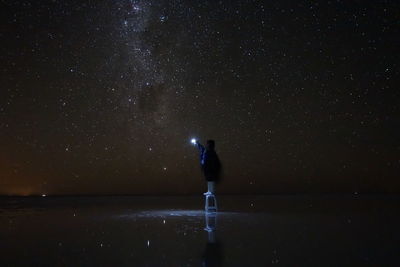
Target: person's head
(210, 144)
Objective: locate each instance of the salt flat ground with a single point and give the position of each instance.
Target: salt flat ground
(285, 230)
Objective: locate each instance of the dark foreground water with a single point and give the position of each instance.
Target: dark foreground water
(312, 230)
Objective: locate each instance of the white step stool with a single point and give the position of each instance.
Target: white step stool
(210, 197)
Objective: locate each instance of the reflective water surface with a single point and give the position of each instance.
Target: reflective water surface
(300, 230)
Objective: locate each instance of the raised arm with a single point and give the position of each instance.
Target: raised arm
(200, 147)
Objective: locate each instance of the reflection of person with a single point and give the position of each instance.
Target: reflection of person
(210, 164)
(212, 255)
(213, 252)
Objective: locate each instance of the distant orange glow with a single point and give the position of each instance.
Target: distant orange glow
(24, 192)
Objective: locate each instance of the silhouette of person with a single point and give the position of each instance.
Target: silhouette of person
(210, 164)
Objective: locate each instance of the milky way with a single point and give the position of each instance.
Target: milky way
(104, 96)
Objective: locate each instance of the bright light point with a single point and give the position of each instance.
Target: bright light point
(163, 221)
(165, 168)
(43, 195)
(148, 243)
(193, 141)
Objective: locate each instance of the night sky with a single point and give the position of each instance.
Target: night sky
(103, 97)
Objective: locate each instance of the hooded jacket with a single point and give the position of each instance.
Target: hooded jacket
(210, 163)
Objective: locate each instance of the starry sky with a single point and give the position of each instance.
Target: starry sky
(103, 97)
